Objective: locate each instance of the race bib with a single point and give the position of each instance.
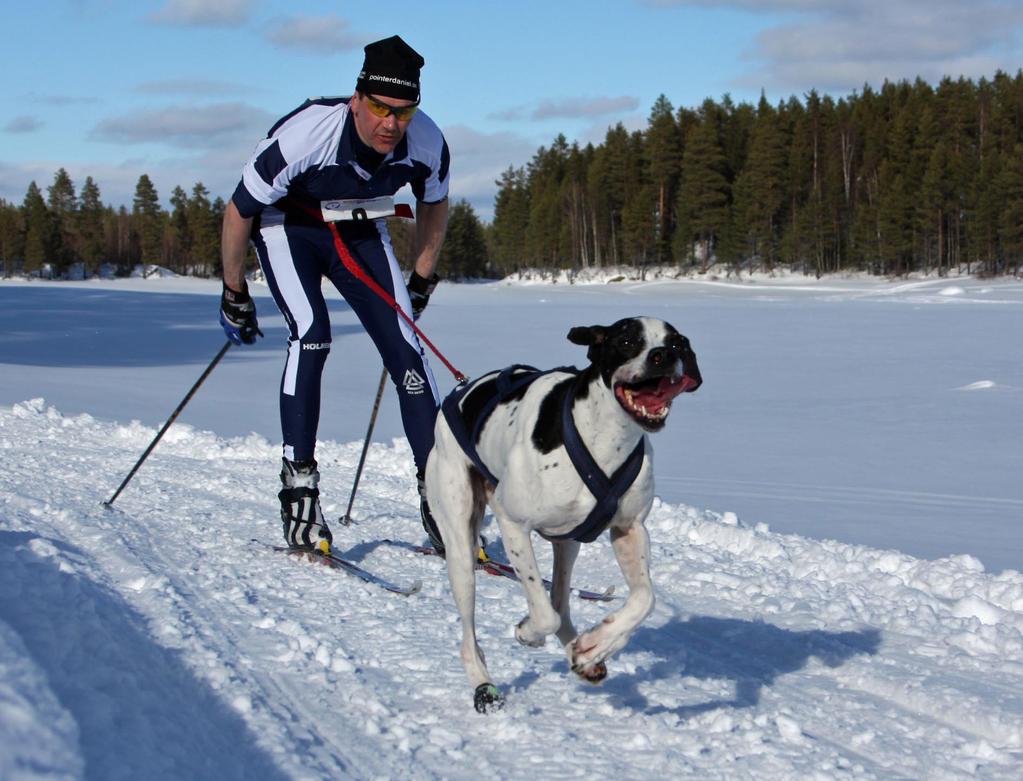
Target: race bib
(339, 210)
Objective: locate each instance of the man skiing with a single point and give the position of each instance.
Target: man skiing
(322, 156)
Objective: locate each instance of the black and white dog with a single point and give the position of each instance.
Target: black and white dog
(563, 453)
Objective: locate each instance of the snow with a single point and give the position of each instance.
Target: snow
(836, 547)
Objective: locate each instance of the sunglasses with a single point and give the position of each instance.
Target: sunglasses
(382, 110)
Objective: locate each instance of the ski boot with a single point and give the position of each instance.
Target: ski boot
(429, 525)
(304, 525)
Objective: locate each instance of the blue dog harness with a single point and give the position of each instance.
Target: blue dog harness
(608, 491)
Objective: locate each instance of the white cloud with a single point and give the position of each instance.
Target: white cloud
(61, 100)
(837, 46)
(315, 34)
(15, 177)
(478, 160)
(23, 124)
(573, 108)
(203, 127)
(219, 171)
(569, 108)
(189, 86)
(596, 133)
(203, 13)
(755, 5)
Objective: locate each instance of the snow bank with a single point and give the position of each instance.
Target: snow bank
(158, 625)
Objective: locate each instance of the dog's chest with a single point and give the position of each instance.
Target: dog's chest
(543, 485)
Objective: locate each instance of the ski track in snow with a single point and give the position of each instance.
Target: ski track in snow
(156, 640)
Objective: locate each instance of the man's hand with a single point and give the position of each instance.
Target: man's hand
(419, 290)
(238, 316)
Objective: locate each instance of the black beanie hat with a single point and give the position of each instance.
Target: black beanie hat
(391, 68)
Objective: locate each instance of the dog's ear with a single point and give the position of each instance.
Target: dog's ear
(592, 335)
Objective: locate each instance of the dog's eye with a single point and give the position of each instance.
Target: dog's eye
(678, 344)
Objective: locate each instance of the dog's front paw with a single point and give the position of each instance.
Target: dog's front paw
(526, 635)
(583, 661)
(594, 673)
(586, 656)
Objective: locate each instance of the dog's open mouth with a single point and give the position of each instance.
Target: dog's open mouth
(649, 401)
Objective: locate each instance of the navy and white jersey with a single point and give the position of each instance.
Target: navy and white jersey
(313, 155)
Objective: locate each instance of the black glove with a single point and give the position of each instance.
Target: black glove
(238, 316)
(419, 290)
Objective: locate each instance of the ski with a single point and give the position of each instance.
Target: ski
(492, 567)
(505, 570)
(336, 562)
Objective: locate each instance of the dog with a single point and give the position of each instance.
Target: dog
(563, 453)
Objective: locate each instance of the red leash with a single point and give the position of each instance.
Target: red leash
(359, 272)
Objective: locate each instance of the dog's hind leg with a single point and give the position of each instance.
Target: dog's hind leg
(565, 554)
(632, 549)
(542, 619)
(458, 509)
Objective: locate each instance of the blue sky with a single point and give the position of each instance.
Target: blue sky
(183, 89)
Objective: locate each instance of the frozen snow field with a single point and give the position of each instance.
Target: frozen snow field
(836, 548)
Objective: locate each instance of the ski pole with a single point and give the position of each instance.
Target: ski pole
(346, 519)
(171, 419)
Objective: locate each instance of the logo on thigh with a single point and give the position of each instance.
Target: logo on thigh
(413, 383)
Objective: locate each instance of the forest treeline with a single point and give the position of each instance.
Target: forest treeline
(65, 232)
(49, 235)
(907, 178)
(911, 177)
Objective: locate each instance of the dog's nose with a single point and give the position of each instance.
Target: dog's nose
(659, 356)
(692, 371)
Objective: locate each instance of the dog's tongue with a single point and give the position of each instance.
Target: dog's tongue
(653, 398)
(666, 390)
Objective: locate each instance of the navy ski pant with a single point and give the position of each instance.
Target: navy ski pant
(295, 256)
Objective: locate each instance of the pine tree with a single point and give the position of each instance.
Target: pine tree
(546, 242)
(704, 192)
(814, 212)
(12, 239)
(575, 200)
(897, 186)
(148, 219)
(933, 206)
(40, 231)
(90, 227)
(870, 126)
(63, 205)
(62, 199)
(613, 177)
(511, 221)
(123, 239)
(181, 230)
(1010, 224)
(664, 163)
(464, 253)
(985, 215)
(926, 175)
(640, 239)
(760, 188)
(204, 231)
